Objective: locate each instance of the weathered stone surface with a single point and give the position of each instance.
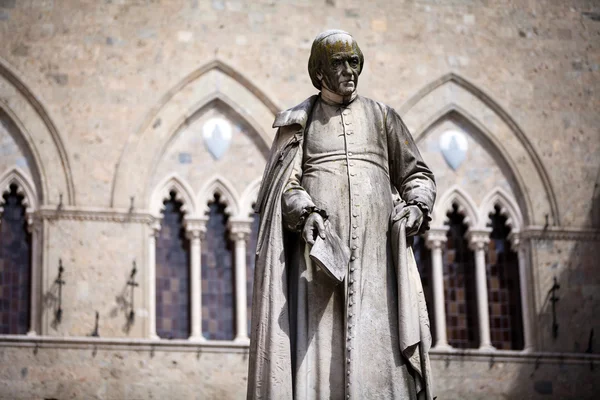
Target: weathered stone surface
(113, 89)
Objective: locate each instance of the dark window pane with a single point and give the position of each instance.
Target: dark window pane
(217, 277)
(15, 265)
(172, 275)
(459, 286)
(503, 287)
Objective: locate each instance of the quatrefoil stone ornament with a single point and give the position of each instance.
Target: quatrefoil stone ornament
(217, 137)
(454, 146)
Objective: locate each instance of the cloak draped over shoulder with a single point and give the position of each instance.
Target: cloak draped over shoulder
(369, 337)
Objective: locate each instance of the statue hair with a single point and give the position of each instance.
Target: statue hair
(318, 53)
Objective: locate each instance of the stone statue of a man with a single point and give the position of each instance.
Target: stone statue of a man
(342, 167)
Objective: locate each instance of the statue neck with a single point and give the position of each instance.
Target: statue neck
(335, 99)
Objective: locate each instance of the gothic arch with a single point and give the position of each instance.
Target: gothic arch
(38, 132)
(25, 187)
(508, 207)
(453, 95)
(219, 186)
(213, 82)
(183, 193)
(466, 206)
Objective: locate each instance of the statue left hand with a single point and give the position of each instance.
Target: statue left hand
(413, 215)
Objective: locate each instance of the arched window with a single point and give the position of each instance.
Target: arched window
(459, 285)
(250, 263)
(217, 277)
(423, 259)
(172, 274)
(15, 264)
(503, 287)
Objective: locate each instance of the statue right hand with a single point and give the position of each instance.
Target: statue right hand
(314, 225)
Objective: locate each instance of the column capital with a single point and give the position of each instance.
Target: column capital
(154, 227)
(436, 237)
(239, 228)
(34, 223)
(195, 228)
(516, 240)
(478, 238)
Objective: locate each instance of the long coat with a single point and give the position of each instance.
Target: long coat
(278, 322)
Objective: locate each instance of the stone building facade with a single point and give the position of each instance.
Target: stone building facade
(133, 134)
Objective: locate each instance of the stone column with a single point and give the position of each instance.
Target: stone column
(435, 239)
(196, 230)
(35, 229)
(521, 247)
(151, 273)
(239, 230)
(478, 241)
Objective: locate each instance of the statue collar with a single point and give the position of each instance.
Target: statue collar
(296, 115)
(334, 99)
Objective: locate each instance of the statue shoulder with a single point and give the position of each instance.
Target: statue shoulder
(297, 115)
(377, 106)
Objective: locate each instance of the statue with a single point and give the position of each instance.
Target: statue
(343, 183)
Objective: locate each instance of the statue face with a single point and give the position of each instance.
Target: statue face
(342, 66)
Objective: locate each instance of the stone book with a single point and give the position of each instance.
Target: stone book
(331, 254)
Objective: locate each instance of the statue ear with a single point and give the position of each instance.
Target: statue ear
(319, 75)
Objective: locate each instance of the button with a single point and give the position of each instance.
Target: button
(351, 292)
(349, 153)
(352, 258)
(348, 123)
(354, 247)
(352, 269)
(355, 214)
(355, 226)
(352, 164)
(354, 237)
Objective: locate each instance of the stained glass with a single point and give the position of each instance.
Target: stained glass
(172, 275)
(459, 286)
(217, 277)
(503, 288)
(15, 265)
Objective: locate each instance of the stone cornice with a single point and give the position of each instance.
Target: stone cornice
(94, 214)
(101, 214)
(560, 233)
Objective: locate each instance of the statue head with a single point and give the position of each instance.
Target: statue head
(335, 62)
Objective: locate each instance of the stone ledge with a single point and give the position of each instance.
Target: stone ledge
(152, 345)
(222, 346)
(521, 356)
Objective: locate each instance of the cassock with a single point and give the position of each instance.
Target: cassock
(312, 338)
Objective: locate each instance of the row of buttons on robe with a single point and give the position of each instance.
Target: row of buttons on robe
(347, 127)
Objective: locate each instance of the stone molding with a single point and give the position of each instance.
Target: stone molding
(100, 214)
(97, 214)
(536, 232)
(140, 344)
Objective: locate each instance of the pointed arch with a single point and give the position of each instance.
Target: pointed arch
(453, 95)
(466, 207)
(219, 186)
(183, 194)
(215, 81)
(43, 141)
(508, 207)
(249, 198)
(25, 187)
